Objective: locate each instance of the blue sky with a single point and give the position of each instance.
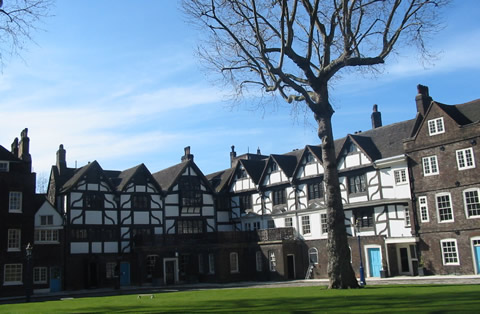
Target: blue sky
(119, 83)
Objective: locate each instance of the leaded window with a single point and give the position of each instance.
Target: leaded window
(315, 191)
(358, 184)
(279, 197)
(190, 226)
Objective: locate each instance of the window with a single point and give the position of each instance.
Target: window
(191, 210)
(472, 203)
(444, 207)
(201, 264)
(15, 202)
(3, 166)
(465, 159)
(324, 223)
(12, 274)
(364, 217)
(279, 197)
(259, 261)
(272, 261)
(306, 224)
(211, 263)
(13, 240)
(358, 184)
(435, 126)
(110, 270)
(245, 202)
(234, 262)
(400, 176)
(248, 226)
(190, 226)
(313, 256)
(407, 217)
(430, 165)
(151, 262)
(315, 191)
(273, 167)
(93, 200)
(191, 194)
(309, 158)
(79, 234)
(140, 201)
(46, 235)
(288, 222)
(256, 225)
(46, 220)
(40, 275)
(351, 148)
(422, 201)
(449, 252)
(242, 173)
(270, 224)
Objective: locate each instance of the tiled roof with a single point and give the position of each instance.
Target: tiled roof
(471, 110)
(6, 155)
(166, 177)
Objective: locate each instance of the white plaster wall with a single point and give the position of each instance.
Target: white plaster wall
(364, 159)
(93, 217)
(125, 201)
(75, 196)
(92, 187)
(123, 215)
(141, 188)
(151, 188)
(125, 233)
(125, 247)
(141, 218)
(171, 199)
(96, 247)
(110, 247)
(208, 211)
(224, 228)
(79, 247)
(158, 230)
(168, 226)
(223, 216)
(111, 203)
(47, 210)
(112, 214)
(157, 214)
(171, 211)
(156, 202)
(207, 199)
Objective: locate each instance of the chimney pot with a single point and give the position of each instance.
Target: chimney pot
(376, 117)
(187, 155)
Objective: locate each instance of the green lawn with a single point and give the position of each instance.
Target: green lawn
(372, 299)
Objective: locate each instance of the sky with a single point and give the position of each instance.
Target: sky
(119, 83)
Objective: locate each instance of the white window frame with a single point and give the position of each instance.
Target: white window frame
(290, 220)
(259, 261)
(436, 126)
(438, 209)
(430, 166)
(46, 236)
(313, 251)
(324, 223)
(475, 241)
(306, 227)
(400, 176)
(465, 205)
(234, 263)
(211, 263)
(4, 166)
(40, 275)
(423, 207)
(272, 261)
(457, 257)
(466, 157)
(408, 220)
(15, 202)
(14, 240)
(18, 269)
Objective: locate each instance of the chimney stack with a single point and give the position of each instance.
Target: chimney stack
(422, 99)
(233, 154)
(24, 149)
(376, 118)
(61, 159)
(187, 155)
(15, 147)
(258, 151)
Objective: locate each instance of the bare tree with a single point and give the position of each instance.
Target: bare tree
(294, 48)
(18, 21)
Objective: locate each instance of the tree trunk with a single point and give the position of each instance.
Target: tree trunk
(340, 271)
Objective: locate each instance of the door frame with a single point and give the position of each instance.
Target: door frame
(399, 259)
(175, 268)
(293, 266)
(474, 258)
(123, 274)
(367, 256)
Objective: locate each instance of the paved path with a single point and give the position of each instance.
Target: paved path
(402, 280)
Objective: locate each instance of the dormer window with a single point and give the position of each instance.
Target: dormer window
(273, 167)
(3, 166)
(436, 126)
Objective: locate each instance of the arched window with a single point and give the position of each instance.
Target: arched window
(313, 256)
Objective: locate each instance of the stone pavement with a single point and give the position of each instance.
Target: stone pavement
(400, 280)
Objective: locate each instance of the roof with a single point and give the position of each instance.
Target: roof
(167, 177)
(7, 155)
(471, 110)
(220, 179)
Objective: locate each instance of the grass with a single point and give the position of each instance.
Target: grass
(372, 299)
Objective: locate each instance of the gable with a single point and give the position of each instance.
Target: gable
(273, 173)
(241, 179)
(309, 165)
(352, 155)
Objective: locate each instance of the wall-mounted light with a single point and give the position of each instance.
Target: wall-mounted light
(473, 142)
(442, 148)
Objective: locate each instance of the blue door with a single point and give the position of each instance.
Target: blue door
(124, 274)
(477, 257)
(374, 261)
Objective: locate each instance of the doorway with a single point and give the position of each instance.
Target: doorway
(374, 261)
(124, 274)
(290, 266)
(170, 271)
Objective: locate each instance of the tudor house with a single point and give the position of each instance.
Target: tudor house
(443, 152)
(410, 190)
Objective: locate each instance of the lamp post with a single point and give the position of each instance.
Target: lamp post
(362, 272)
(28, 273)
